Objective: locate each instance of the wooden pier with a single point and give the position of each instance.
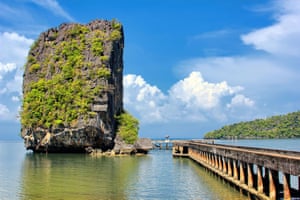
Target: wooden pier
(259, 173)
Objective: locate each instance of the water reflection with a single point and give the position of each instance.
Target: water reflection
(155, 176)
(75, 177)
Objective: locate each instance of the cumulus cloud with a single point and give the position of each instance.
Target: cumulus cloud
(191, 99)
(240, 100)
(14, 48)
(5, 68)
(13, 52)
(281, 38)
(197, 93)
(270, 76)
(143, 98)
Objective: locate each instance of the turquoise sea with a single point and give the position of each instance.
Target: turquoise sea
(24, 175)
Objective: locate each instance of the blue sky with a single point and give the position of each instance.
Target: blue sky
(190, 66)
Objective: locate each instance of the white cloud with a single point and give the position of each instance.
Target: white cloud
(15, 98)
(281, 38)
(5, 68)
(256, 72)
(143, 98)
(4, 112)
(54, 7)
(13, 52)
(240, 100)
(15, 85)
(197, 93)
(14, 48)
(269, 78)
(189, 100)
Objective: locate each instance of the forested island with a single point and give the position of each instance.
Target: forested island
(282, 126)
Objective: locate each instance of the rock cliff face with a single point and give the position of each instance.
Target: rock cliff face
(72, 88)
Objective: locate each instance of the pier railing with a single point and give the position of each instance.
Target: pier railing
(260, 173)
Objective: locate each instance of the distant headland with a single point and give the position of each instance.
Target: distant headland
(282, 126)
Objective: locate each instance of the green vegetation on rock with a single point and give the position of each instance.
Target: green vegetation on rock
(128, 127)
(283, 126)
(60, 91)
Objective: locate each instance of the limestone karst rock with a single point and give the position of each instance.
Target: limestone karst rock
(72, 88)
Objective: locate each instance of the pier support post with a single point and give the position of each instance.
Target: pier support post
(224, 166)
(286, 187)
(213, 160)
(235, 171)
(250, 174)
(220, 163)
(216, 161)
(260, 185)
(272, 185)
(229, 167)
(242, 173)
(207, 157)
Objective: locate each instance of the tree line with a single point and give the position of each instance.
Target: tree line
(281, 126)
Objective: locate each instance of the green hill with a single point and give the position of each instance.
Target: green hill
(282, 126)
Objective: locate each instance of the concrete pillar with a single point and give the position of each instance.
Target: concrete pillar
(286, 187)
(208, 156)
(229, 167)
(235, 171)
(250, 174)
(242, 173)
(224, 165)
(220, 163)
(180, 148)
(260, 185)
(272, 185)
(213, 160)
(216, 161)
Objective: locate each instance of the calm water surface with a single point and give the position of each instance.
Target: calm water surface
(25, 175)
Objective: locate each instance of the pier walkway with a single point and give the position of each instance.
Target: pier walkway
(266, 174)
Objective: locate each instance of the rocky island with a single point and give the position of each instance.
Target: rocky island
(73, 92)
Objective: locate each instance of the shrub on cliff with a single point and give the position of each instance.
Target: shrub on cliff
(128, 127)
